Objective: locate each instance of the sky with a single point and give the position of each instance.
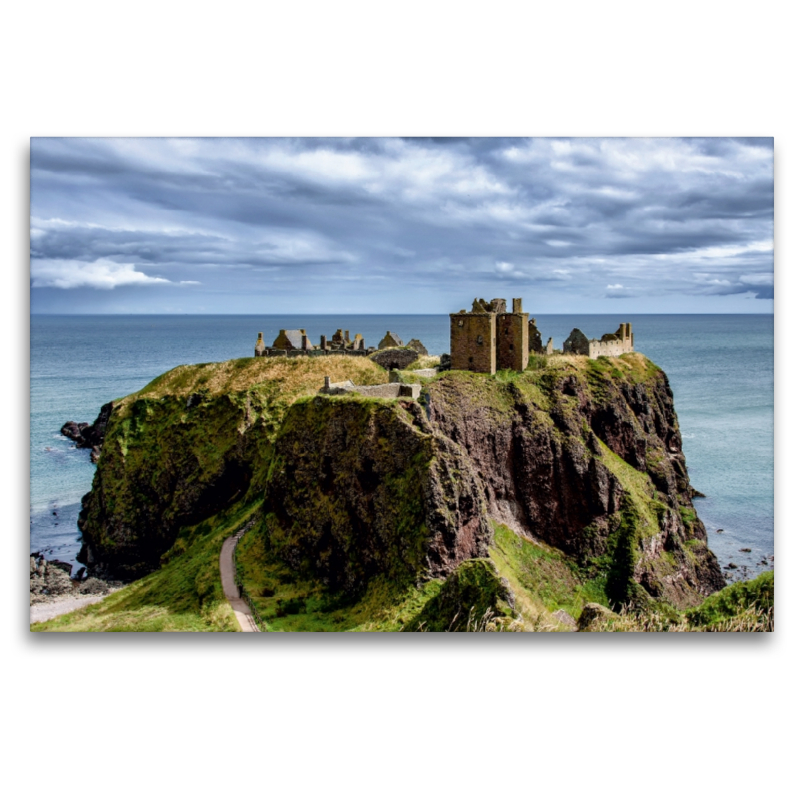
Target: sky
(383, 225)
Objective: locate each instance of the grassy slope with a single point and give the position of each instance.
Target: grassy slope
(184, 595)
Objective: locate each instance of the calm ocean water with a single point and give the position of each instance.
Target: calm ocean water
(720, 368)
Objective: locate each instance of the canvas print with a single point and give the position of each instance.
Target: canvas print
(402, 384)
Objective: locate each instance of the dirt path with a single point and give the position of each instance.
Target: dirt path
(228, 573)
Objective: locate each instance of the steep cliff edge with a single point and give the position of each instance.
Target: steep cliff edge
(583, 457)
(187, 446)
(361, 488)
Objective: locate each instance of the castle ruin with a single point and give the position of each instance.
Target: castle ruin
(489, 338)
(297, 343)
(610, 344)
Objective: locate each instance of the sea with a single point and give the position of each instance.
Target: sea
(720, 368)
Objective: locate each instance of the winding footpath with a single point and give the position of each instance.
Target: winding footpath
(229, 587)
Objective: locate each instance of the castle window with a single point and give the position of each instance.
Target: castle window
(480, 340)
(461, 323)
(511, 347)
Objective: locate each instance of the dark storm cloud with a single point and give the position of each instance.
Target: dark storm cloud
(579, 218)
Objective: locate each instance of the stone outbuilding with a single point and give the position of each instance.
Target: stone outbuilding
(418, 347)
(390, 340)
(291, 340)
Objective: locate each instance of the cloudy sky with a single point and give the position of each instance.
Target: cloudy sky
(400, 225)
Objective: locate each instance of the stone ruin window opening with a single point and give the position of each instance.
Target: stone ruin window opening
(461, 323)
(480, 339)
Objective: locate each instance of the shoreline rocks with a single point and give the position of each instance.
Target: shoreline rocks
(89, 437)
(51, 581)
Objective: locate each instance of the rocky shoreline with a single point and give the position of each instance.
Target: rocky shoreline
(50, 583)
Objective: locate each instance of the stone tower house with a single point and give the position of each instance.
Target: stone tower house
(489, 338)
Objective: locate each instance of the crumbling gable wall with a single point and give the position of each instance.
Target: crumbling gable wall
(390, 340)
(419, 348)
(577, 343)
(534, 337)
(291, 340)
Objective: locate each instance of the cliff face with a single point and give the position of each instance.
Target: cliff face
(582, 455)
(586, 456)
(360, 488)
(187, 446)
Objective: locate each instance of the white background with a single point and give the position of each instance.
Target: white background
(370, 716)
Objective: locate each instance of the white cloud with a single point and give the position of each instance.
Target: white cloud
(506, 270)
(100, 274)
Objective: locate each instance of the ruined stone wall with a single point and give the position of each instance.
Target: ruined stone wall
(609, 348)
(512, 341)
(473, 342)
(611, 344)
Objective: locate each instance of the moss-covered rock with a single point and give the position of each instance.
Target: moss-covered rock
(188, 446)
(473, 597)
(361, 487)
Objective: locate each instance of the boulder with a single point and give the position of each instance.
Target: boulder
(595, 617)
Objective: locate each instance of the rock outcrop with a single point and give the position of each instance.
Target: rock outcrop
(51, 579)
(359, 488)
(586, 456)
(88, 436)
(582, 455)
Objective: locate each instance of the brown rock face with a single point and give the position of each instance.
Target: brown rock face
(359, 489)
(545, 447)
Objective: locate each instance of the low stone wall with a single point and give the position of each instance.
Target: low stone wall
(271, 353)
(387, 390)
(425, 373)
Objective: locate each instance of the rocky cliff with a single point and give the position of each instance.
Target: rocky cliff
(586, 456)
(583, 456)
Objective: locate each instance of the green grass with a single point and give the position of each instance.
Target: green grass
(543, 579)
(288, 603)
(735, 600)
(184, 595)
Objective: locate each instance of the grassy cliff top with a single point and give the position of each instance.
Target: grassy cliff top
(296, 376)
(305, 375)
